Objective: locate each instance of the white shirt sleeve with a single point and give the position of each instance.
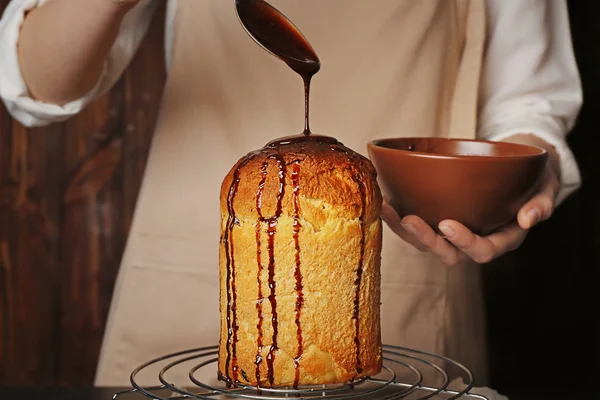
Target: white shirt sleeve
(13, 90)
(530, 81)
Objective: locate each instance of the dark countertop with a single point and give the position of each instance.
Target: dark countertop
(10, 393)
(7, 393)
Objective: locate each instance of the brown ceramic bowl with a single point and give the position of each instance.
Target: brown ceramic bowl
(481, 184)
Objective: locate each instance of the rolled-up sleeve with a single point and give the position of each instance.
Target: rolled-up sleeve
(530, 81)
(13, 89)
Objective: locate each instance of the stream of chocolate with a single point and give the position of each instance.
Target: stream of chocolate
(306, 79)
(267, 26)
(306, 67)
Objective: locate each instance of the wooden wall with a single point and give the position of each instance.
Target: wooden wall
(67, 193)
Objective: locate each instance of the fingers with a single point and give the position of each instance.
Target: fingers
(431, 241)
(541, 206)
(458, 243)
(480, 249)
(393, 220)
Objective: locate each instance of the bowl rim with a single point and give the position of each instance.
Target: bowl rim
(541, 152)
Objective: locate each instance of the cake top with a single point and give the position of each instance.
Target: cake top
(318, 172)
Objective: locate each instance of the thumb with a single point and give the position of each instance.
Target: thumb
(540, 207)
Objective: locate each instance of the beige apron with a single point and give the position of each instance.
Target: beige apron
(404, 67)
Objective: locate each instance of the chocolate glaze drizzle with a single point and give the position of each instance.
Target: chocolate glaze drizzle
(359, 179)
(271, 230)
(232, 326)
(272, 150)
(259, 339)
(294, 139)
(259, 302)
(359, 272)
(278, 35)
(298, 271)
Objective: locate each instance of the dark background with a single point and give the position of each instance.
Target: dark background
(67, 194)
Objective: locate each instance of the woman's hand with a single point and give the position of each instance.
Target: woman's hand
(459, 243)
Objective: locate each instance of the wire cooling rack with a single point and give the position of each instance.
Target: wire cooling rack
(406, 374)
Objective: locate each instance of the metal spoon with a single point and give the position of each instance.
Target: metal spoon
(275, 33)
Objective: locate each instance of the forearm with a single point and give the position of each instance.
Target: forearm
(63, 46)
(530, 81)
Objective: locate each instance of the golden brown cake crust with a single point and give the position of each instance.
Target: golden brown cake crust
(329, 173)
(300, 267)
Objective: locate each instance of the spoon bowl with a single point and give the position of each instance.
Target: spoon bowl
(275, 33)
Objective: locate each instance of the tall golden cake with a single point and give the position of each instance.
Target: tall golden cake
(300, 258)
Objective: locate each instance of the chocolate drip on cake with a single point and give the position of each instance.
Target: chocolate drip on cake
(232, 326)
(259, 302)
(359, 179)
(270, 173)
(271, 231)
(359, 272)
(298, 271)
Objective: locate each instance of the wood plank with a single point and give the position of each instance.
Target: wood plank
(5, 267)
(96, 210)
(35, 170)
(67, 195)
